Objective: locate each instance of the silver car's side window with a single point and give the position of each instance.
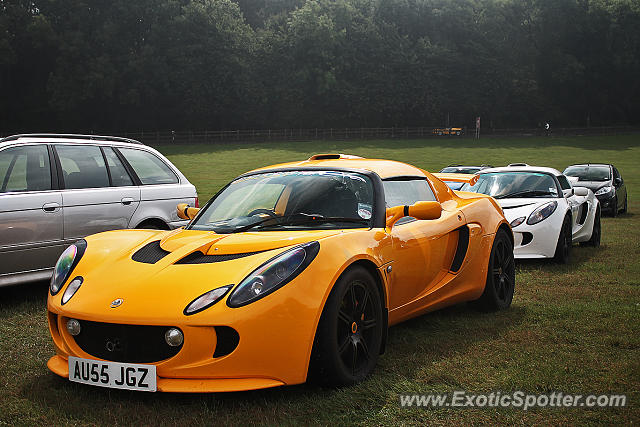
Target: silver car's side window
(82, 166)
(119, 175)
(25, 168)
(149, 168)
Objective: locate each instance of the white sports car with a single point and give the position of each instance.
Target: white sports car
(547, 214)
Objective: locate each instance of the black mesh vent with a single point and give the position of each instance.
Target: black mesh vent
(150, 253)
(228, 340)
(125, 343)
(198, 257)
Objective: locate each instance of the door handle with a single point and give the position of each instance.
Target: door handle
(50, 207)
(127, 200)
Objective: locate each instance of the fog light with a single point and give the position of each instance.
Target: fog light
(174, 337)
(73, 327)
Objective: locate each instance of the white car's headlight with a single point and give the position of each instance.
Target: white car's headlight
(206, 300)
(273, 274)
(604, 190)
(65, 265)
(542, 212)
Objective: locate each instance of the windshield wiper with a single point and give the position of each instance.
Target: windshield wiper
(524, 194)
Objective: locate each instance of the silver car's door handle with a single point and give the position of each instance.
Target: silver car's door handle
(50, 207)
(127, 200)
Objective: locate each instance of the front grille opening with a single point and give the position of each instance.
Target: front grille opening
(53, 324)
(198, 257)
(526, 238)
(150, 253)
(125, 343)
(228, 340)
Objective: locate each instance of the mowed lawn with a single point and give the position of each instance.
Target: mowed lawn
(571, 329)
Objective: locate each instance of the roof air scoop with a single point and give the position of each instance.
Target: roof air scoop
(335, 156)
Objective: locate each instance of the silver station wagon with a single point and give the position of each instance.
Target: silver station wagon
(55, 189)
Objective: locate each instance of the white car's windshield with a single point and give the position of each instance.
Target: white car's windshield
(503, 185)
(290, 200)
(589, 173)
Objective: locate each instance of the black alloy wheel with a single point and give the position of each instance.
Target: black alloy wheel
(501, 276)
(349, 335)
(565, 240)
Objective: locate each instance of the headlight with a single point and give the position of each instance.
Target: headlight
(65, 265)
(603, 190)
(542, 212)
(72, 289)
(273, 274)
(206, 300)
(516, 222)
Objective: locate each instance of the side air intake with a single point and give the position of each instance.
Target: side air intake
(461, 250)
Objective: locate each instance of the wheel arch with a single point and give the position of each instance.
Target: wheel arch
(159, 222)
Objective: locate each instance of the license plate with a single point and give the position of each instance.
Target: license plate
(126, 376)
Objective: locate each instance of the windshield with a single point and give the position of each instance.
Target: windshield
(290, 200)
(460, 169)
(589, 173)
(514, 184)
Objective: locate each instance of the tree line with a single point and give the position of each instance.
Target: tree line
(116, 65)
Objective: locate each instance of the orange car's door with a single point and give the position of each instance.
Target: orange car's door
(422, 250)
(423, 254)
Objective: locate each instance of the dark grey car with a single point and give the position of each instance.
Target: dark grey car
(55, 189)
(605, 181)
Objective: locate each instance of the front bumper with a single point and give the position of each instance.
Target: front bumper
(607, 200)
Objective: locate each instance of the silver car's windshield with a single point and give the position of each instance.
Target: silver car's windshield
(503, 185)
(290, 200)
(589, 173)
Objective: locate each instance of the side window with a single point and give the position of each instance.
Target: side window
(616, 174)
(25, 168)
(564, 182)
(149, 168)
(119, 175)
(82, 166)
(407, 192)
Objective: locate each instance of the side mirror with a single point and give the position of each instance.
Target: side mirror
(186, 212)
(581, 191)
(419, 210)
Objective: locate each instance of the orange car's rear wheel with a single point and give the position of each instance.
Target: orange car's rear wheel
(501, 275)
(349, 334)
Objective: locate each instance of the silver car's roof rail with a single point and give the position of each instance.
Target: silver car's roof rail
(70, 136)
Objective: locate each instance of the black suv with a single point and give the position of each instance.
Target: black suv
(606, 183)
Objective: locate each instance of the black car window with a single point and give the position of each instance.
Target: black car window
(82, 166)
(149, 168)
(406, 192)
(25, 168)
(616, 174)
(119, 175)
(564, 182)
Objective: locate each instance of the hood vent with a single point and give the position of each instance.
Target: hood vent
(150, 253)
(198, 257)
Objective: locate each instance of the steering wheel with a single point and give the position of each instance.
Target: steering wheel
(269, 212)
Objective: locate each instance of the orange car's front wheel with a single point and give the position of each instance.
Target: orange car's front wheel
(349, 334)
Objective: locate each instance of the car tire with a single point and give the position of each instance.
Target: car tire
(501, 275)
(349, 335)
(614, 208)
(626, 199)
(153, 225)
(563, 247)
(596, 233)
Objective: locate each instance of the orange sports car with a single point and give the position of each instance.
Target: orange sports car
(290, 272)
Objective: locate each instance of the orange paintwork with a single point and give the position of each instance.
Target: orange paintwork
(457, 177)
(277, 331)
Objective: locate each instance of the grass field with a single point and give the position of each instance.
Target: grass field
(571, 329)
